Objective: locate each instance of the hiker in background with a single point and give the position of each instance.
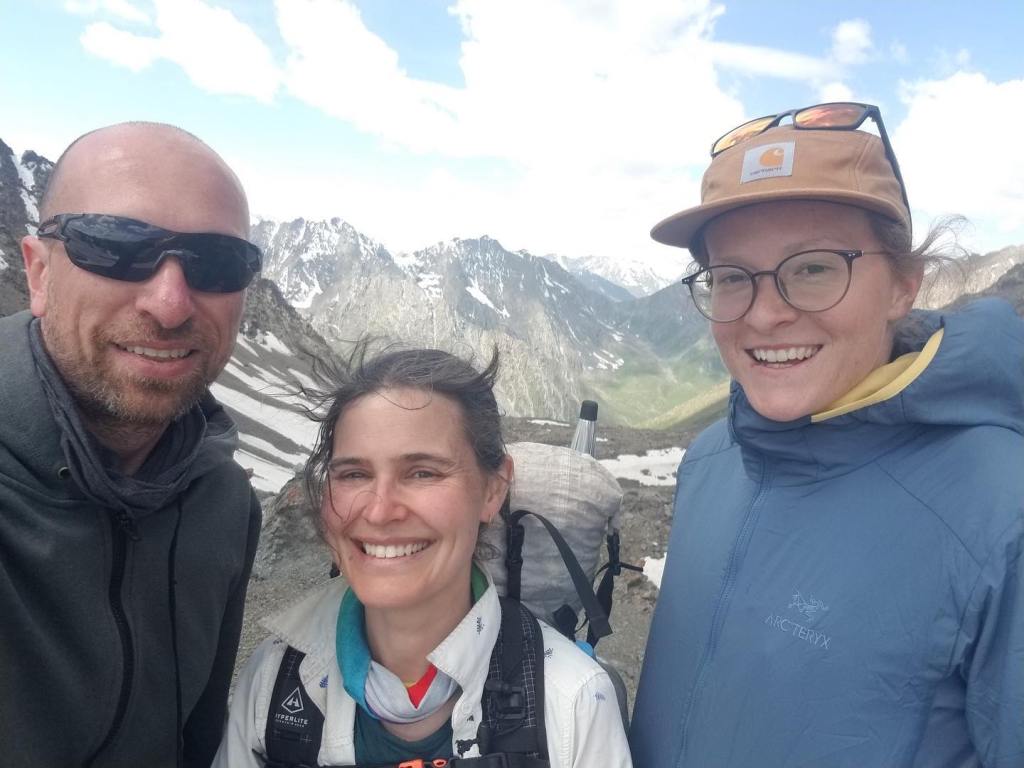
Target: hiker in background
(126, 529)
(844, 584)
(408, 466)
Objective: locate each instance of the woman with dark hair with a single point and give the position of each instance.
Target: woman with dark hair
(400, 667)
(844, 584)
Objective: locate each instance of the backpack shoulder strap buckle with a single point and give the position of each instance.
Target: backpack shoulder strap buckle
(509, 700)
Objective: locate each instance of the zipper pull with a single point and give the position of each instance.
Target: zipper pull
(126, 521)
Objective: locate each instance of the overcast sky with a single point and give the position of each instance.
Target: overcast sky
(558, 126)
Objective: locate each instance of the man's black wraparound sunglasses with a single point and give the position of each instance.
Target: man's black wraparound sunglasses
(833, 116)
(127, 249)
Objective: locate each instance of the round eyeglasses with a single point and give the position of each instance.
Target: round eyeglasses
(811, 281)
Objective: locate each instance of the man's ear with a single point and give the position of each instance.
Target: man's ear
(36, 256)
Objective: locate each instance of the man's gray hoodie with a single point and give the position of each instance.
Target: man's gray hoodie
(118, 626)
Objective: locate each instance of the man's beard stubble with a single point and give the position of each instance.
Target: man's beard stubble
(120, 401)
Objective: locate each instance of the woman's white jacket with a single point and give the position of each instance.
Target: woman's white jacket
(581, 714)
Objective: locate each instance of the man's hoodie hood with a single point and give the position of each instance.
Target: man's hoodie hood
(32, 438)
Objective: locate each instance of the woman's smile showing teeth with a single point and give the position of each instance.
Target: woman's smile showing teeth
(783, 354)
(389, 551)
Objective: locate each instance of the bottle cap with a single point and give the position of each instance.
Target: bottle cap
(588, 410)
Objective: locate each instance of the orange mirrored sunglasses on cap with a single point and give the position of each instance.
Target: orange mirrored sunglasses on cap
(833, 116)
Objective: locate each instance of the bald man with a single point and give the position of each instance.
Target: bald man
(127, 531)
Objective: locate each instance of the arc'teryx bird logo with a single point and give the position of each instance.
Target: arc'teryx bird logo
(811, 608)
(807, 607)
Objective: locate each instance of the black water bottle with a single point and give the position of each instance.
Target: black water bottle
(584, 439)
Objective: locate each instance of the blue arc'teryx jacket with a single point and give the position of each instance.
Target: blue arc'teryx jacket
(849, 591)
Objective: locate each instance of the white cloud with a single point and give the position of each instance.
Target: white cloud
(851, 42)
(122, 9)
(620, 96)
(219, 53)
(835, 91)
(955, 162)
(337, 65)
(135, 52)
(599, 115)
(757, 60)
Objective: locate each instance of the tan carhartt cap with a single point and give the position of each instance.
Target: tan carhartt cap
(784, 163)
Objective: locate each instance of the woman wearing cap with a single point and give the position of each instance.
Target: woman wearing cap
(844, 584)
(399, 668)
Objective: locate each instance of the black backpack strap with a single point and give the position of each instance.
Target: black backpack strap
(515, 533)
(295, 724)
(611, 569)
(513, 698)
(499, 760)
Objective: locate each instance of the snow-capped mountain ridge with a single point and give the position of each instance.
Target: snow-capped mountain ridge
(639, 278)
(469, 294)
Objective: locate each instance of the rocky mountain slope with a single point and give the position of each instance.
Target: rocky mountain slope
(563, 337)
(975, 275)
(1010, 286)
(22, 180)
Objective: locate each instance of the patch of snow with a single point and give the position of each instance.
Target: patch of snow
(261, 380)
(270, 341)
(474, 290)
(31, 212)
(554, 283)
(480, 296)
(602, 439)
(430, 283)
(607, 361)
(409, 262)
(551, 423)
(304, 299)
(244, 344)
(654, 569)
(28, 182)
(266, 477)
(28, 179)
(656, 467)
(3, 262)
(269, 413)
(259, 444)
(303, 378)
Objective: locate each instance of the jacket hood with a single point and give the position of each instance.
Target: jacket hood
(971, 380)
(32, 438)
(971, 373)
